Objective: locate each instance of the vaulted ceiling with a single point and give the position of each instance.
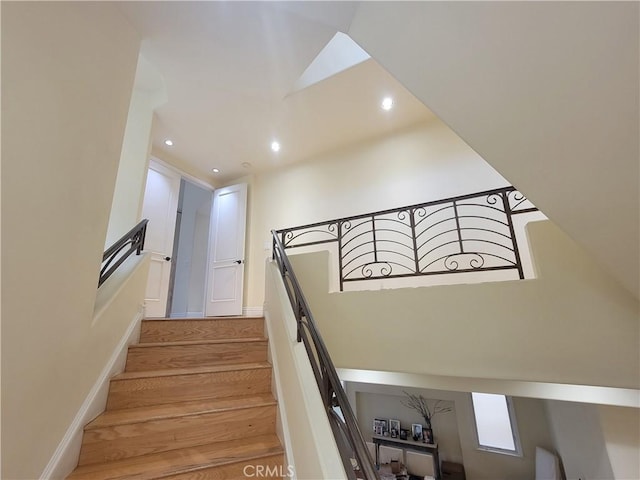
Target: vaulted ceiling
(546, 92)
(230, 71)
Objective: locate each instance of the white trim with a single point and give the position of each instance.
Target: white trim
(188, 177)
(253, 311)
(65, 458)
(621, 397)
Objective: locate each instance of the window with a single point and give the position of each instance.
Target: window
(495, 423)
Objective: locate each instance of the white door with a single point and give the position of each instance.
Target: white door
(226, 256)
(160, 206)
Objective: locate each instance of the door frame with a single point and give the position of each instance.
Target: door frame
(243, 187)
(200, 183)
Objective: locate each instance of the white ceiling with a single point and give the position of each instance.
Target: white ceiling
(546, 92)
(230, 68)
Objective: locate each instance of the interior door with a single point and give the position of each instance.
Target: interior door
(226, 256)
(160, 207)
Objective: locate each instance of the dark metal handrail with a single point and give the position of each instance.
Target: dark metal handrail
(467, 233)
(346, 432)
(116, 254)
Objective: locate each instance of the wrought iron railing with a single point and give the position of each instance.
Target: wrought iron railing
(117, 253)
(355, 456)
(469, 233)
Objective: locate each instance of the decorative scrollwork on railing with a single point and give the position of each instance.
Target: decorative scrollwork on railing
(518, 203)
(460, 234)
(475, 260)
(310, 235)
(384, 268)
(494, 198)
(114, 256)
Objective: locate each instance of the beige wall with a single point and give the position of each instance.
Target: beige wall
(426, 162)
(126, 208)
(579, 440)
(556, 113)
(596, 441)
(371, 404)
(67, 75)
(621, 430)
(573, 324)
(454, 431)
(306, 432)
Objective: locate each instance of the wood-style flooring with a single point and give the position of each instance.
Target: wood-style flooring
(194, 402)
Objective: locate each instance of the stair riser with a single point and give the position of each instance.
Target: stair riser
(270, 467)
(139, 392)
(124, 441)
(250, 451)
(215, 329)
(185, 356)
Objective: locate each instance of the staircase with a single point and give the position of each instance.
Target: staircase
(194, 401)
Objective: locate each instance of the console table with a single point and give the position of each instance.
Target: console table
(431, 448)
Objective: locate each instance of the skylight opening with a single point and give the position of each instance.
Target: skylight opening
(338, 55)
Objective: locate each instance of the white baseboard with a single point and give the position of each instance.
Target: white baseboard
(253, 311)
(65, 458)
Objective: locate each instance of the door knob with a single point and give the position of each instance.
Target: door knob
(167, 258)
(238, 262)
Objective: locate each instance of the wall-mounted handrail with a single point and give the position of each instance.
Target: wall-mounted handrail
(348, 437)
(116, 254)
(467, 233)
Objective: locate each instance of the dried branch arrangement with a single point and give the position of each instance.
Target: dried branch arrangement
(420, 405)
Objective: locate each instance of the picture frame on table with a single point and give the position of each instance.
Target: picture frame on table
(380, 426)
(394, 428)
(416, 431)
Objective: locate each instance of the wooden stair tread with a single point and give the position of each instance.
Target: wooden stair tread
(175, 462)
(157, 412)
(185, 329)
(191, 371)
(200, 342)
(196, 403)
(206, 319)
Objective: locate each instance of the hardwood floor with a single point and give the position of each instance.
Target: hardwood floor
(194, 402)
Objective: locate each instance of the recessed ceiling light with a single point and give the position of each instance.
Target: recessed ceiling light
(168, 143)
(387, 103)
(215, 170)
(275, 146)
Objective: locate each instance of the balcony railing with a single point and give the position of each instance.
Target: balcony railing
(116, 254)
(469, 233)
(355, 456)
